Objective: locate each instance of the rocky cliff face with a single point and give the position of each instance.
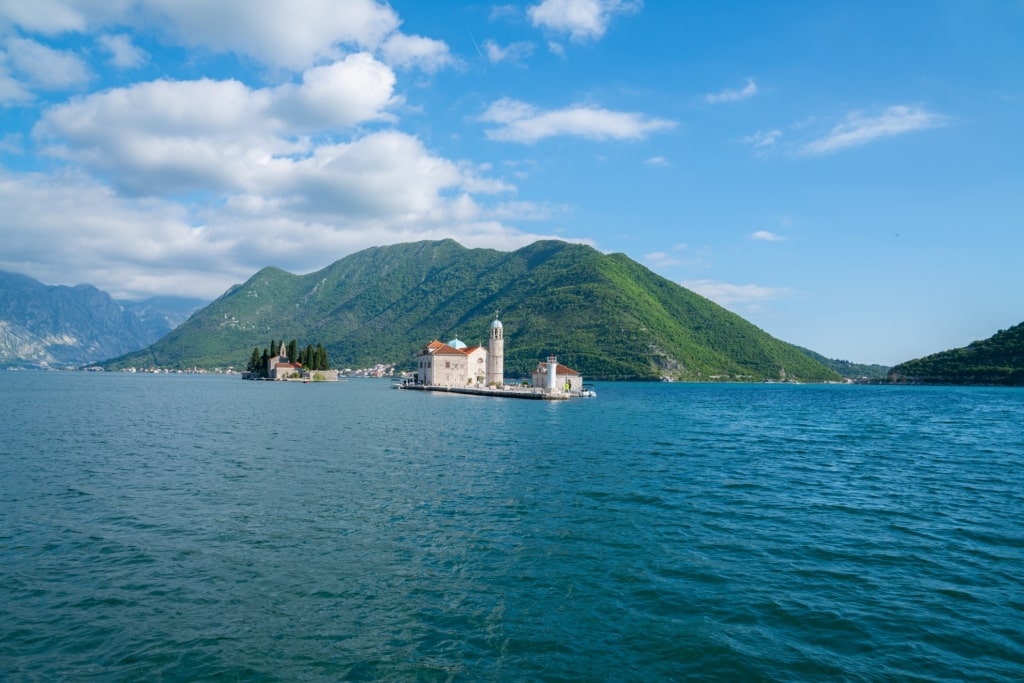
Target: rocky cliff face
(59, 326)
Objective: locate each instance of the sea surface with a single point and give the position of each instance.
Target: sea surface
(202, 528)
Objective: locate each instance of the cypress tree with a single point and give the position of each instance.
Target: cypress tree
(293, 350)
(254, 360)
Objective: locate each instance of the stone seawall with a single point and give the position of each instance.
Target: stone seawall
(528, 393)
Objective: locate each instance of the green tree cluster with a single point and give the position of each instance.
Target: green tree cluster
(312, 358)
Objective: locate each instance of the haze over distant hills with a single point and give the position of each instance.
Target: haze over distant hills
(59, 326)
(605, 315)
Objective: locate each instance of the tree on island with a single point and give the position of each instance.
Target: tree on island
(311, 358)
(256, 362)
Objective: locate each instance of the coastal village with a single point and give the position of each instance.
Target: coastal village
(457, 368)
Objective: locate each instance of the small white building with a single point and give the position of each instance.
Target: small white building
(565, 379)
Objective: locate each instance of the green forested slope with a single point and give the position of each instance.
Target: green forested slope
(605, 315)
(850, 370)
(996, 360)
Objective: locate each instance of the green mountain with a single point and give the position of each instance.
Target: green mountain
(604, 315)
(996, 360)
(850, 370)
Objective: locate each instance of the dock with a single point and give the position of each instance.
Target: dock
(509, 392)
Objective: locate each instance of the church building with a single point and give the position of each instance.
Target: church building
(457, 365)
(281, 367)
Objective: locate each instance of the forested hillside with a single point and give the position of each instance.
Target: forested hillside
(996, 360)
(605, 315)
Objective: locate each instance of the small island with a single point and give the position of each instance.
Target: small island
(290, 364)
(457, 368)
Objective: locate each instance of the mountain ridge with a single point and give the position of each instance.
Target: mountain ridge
(43, 326)
(997, 360)
(603, 314)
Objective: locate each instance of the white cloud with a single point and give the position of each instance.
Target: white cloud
(657, 161)
(166, 136)
(123, 53)
(44, 67)
(521, 122)
(726, 294)
(766, 236)
(12, 143)
(581, 19)
(12, 91)
(763, 140)
(354, 90)
(380, 189)
(293, 35)
(665, 259)
(75, 230)
(857, 129)
(513, 52)
(405, 51)
(749, 90)
(49, 17)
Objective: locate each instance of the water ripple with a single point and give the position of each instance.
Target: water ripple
(206, 528)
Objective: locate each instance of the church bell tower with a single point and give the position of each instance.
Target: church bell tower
(496, 355)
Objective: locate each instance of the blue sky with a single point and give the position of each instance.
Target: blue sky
(847, 176)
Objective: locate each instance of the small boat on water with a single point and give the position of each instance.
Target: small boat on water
(586, 391)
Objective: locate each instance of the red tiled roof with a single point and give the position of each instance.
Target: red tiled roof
(559, 370)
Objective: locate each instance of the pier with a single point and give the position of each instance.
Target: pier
(509, 392)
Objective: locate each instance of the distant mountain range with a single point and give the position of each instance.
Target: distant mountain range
(605, 315)
(997, 360)
(55, 326)
(602, 314)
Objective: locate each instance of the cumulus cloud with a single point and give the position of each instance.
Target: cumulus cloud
(581, 19)
(123, 53)
(749, 90)
(48, 17)
(44, 67)
(166, 136)
(289, 175)
(726, 294)
(298, 213)
(293, 35)
(766, 236)
(345, 93)
(857, 129)
(404, 51)
(657, 161)
(12, 91)
(132, 246)
(513, 52)
(520, 122)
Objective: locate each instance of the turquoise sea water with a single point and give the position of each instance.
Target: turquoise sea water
(183, 528)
